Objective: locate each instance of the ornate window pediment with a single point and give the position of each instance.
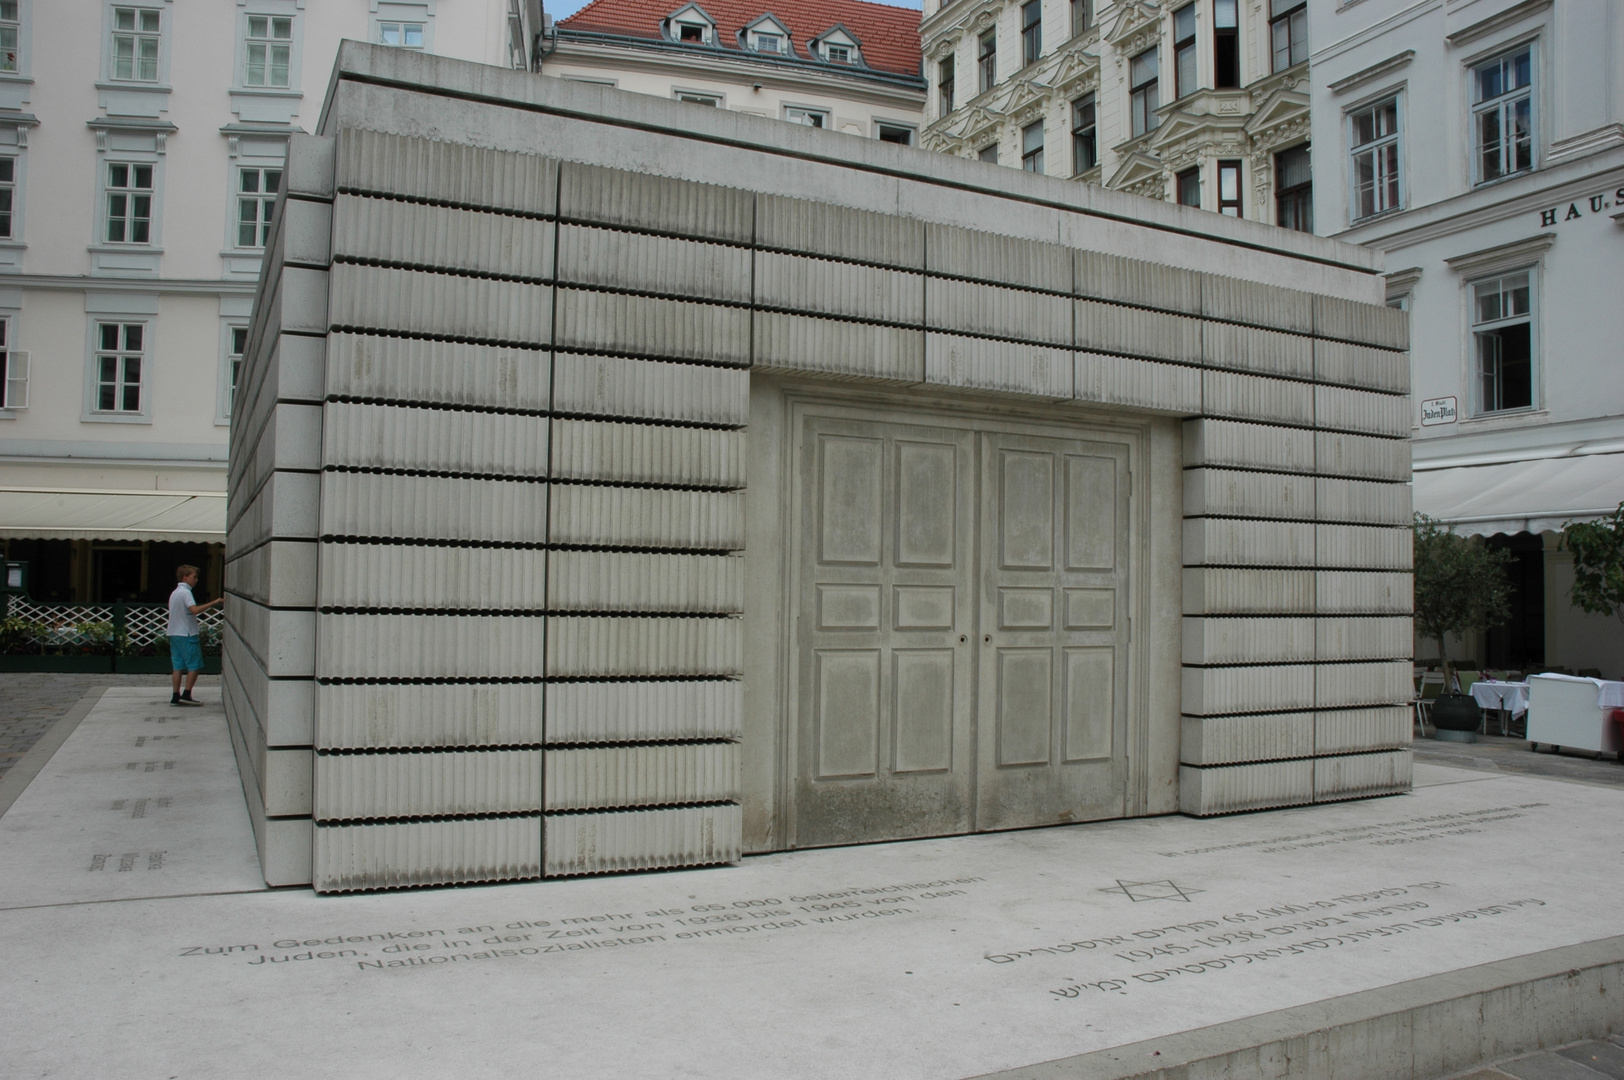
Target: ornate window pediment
(1128, 18)
(1135, 169)
(1280, 107)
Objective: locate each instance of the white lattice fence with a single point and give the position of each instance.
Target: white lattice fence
(68, 624)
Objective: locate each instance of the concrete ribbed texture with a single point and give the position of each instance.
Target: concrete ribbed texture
(651, 326)
(444, 372)
(441, 305)
(657, 264)
(1255, 446)
(591, 778)
(430, 646)
(348, 857)
(637, 581)
(1229, 740)
(1234, 299)
(437, 440)
(1247, 542)
(412, 715)
(840, 350)
(598, 712)
(432, 507)
(840, 288)
(1347, 730)
(415, 576)
(992, 257)
(647, 517)
(1103, 276)
(975, 308)
(1112, 328)
(642, 646)
(610, 452)
(839, 232)
(642, 839)
(1141, 384)
(1002, 367)
(1358, 776)
(1224, 789)
(445, 172)
(390, 231)
(618, 386)
(1249, 348)
(359, 787)
(1255, 397)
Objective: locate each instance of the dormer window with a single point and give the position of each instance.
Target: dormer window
(691, 26)
(837, 46)
(691, 32)
(766, 35)
(837, 54)
(769, 43)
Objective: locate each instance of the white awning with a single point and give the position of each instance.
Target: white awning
(1521, 496)
(195, 517)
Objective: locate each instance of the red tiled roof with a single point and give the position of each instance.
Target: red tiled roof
(889, 35)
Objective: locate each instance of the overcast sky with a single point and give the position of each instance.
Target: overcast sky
(560, 8)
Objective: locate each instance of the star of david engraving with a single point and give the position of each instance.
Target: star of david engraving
(1138, 891)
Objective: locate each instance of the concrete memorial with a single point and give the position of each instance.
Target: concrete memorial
(609, 496)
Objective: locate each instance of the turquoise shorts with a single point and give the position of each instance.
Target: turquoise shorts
(185, 654)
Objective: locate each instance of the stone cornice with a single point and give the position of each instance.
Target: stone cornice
(1372, 73)
(1518, 251)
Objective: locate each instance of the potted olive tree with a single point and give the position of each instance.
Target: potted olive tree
(1598, 563)
(1460, 586)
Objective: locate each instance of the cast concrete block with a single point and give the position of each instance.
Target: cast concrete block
(1234, 299)
(1362, 412)
(1121, 280)
(1220, 639)
(1240, 542)
(283, 641)
(1364, 502)
(635, 200)
(1233, 493)
(1214, 691)
(411, 234)
(643, 646)
(284, 708)
(1235, 591)
(411, 715)
(625, 581)
(306, 233)
(381, 646)
(303, 301)
(1225, 789)
(1363, 547)
(282, 774)
(1343, 731)
(647, 517)
(1373, 683)
(443, 305)
(972, 307)
(293, 371)
(1142, 384)
(310, 165)
(445, 172)
(433, 576)
(1372, 324)
(1156, 335)
(637, 262)
(603, 777)
(647, 453)
(649, 326)
(283, 843)
(999, 366)
(643, 839)
(839, 232)
(1364, 592)
(1236, 396)
(849, 290)
(1209, 441)
(1370, 637)
(285, 508)
(433, 508)
(1230, 740)
(837, 349)
(369, 786)
(1005, 260)
(1363, 456)
(290, 439)
(396, 855)
(1358, 776)
(619, 386)
(436, 440)
(444, 372)
(1250, 348)
(1361, 365)
(644, 711)
(281, 573)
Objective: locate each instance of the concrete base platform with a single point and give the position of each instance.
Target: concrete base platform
(1403, 937)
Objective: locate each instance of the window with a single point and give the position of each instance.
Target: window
(256, 200)
(8, 192)
(944, 84)
(405, 35)
(119, 353)
(135, 44)
(837, 54)
(896, 133)
(10, 35)
(988, 153)
(129, 203)
(13, 370)
(1032, 147)
(1226, 45)
(1503, 115)
(1184, 76)
(769, 43)
(237, 346)
(1085, 152)
(987, 60)
(1375, 159)
(809, 117)
(1081, 16)
(690, 32)
(1189, 187)
(1142, 75)
(270, 44)
(1288, 30)
(1502, 333)
(1294, 190)
(693, 98)
(1031, 31)
(1229, 188)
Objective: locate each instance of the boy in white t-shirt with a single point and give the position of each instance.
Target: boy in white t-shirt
(185, 650)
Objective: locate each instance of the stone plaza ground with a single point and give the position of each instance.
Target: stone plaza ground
(1467, 922)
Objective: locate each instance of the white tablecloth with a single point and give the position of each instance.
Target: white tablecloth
(1609, 695)
(1502, 695)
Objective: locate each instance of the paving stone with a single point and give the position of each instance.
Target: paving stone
(1603, 1057)
(1548, 1067)
(30, 702)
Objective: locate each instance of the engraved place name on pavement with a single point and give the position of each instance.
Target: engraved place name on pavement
(1384, 834)
(383, 950)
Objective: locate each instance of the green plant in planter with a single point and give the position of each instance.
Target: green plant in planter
(19, 636)
(1598, 563)
(1460, 585)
